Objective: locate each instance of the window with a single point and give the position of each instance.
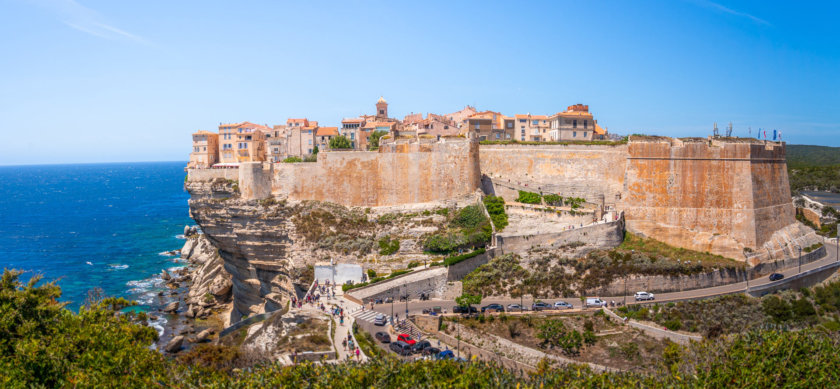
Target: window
(574, 134)
(509, 124)
(477, 126)
(310, 141)
(584, 126)
(574, 123)
(584, 134)
(352, 136)
(522, 120)
(535, 122)
(497, 135)
(381, 111)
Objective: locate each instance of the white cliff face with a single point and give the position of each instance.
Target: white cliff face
(211, 284)
(264, 244)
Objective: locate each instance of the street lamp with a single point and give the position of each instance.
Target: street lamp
(406, 301)
(392, 306)
(800, 257)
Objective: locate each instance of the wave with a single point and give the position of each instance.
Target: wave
(118, 267)
(172, 253)
(180, 236)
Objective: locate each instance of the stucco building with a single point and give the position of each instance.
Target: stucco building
(205, 151)
(576, 123)
(242, 142)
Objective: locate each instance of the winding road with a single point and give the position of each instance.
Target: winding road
(416, 307)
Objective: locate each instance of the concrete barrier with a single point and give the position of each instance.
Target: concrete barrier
(801, 280)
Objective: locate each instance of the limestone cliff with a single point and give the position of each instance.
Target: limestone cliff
(211, 284)
(265, 243)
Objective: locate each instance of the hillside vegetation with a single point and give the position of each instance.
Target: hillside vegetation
(813, 168)
(42, 344)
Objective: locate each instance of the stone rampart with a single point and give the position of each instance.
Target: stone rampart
(211, 174)
(713, 195)
(592, 172)
(255, 180)
(400, 173)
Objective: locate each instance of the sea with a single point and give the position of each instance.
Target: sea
(107, 226)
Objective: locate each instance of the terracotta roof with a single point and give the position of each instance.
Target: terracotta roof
(202, 132)
(352, 120)
(327, 131)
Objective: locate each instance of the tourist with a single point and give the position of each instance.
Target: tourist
(357, 353)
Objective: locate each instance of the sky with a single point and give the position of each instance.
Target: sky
(119, 81)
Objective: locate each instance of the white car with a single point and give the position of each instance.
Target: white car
(642, 296)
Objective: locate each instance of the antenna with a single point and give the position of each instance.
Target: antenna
(749, 129)
(729, 130)
(715, 131)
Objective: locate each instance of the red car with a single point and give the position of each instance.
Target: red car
(407, 339)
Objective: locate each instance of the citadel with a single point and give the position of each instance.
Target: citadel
(428, 202)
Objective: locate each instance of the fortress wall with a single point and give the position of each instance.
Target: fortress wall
(255, 180)
(403, 173)
(210, 174)
(593, 172)
(771, 192)
(716, 196)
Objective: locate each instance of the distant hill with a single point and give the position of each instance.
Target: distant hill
(813, 155)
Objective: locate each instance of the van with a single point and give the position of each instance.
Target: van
(595, 303)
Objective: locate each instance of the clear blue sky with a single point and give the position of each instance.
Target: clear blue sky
(96, 81)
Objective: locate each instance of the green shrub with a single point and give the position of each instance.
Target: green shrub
(529, 197)
(496, 208)
(673, 324)
(388, 246)
(553, 199)
(776, 308)
(292, 160)
(413, 264)
(371, 273)
(449, 261)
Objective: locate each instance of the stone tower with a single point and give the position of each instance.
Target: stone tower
(381, 108)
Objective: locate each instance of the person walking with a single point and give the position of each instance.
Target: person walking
(357, 353)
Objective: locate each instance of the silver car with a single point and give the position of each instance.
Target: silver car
(642, 296)
(562, 305)
(380, 320)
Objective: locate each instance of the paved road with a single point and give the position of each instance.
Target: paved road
(416, 307)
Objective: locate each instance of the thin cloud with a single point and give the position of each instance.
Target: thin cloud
(84, 19)
(724, 9)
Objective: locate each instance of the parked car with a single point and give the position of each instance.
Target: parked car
(420, 346)
(380, 320)
(401, 348)
(406, 338)
(493, 307)
(377, 301)
(643, 296)
(539, 306)
(383, 337)
(776, 276)
(445, 354)
(431, 351)
(563, 305)
(389, 300)
(514, 307)
(460, 309)
(595, 303)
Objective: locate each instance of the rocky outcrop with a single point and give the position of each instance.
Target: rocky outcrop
(175, 344)
(211, 283)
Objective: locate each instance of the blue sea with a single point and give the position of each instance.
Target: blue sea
(91, 226)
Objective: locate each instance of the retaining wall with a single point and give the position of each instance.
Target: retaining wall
(601, 235)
